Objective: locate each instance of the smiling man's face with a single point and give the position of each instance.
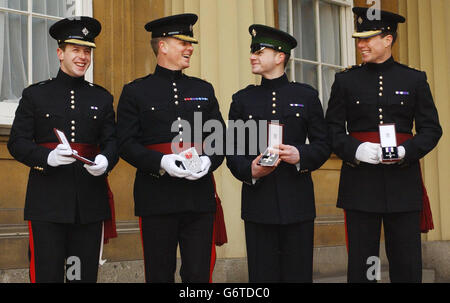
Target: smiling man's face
(178, 53)
(375, 49)
(75, 59)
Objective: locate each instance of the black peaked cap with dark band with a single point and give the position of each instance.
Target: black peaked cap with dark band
(177, 26)
(266, 36)
(373, 22)
(76, 30)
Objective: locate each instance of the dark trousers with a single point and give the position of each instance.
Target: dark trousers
(280, 253)
(58, 249)
(402, 241)
(161, 235)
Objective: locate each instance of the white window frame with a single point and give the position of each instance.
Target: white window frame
(7, 110)
(348, 55)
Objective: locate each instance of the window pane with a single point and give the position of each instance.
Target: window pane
(306, 73)
(13, 56)
(330, 37)
(327, 81)
(45, 61)
(304, 29)
(59, 8)
(289, 71)
(21, 5)
(283, 15)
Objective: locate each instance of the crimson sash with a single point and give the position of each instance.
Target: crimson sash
(426, 217)
(91, 151)
(220, 233)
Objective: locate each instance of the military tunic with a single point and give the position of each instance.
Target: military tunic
(65, 205)
(279, 209)
(147, 109)
(84, 111)
(364, 97)
(159, 109)
(286, 195)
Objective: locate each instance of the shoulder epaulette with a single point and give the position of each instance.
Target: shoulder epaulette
(352, 67)
(304, 85)
(408, 67)
(197, 79)
(97, 86)
(244, 90)
(42, 82)
(251, 86)
(139, 79)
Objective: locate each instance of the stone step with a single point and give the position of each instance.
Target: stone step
(428, 276)
(226, 271)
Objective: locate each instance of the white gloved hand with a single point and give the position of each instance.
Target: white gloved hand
(369, 153)
(401, 152)
(206, 164)
(101, 164)
(169, 165)
(61, 155)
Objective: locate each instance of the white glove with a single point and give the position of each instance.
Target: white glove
(101, 164)
(206, 164)
(401, 152)
(61, 155)
(369, 153)
(169, 165)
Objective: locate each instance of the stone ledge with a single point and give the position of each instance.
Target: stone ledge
(330, 264)
(428, 276)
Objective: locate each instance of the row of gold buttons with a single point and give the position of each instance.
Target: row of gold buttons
(72, 97)
(175, 91)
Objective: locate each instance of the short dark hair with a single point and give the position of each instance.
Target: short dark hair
(286, 59)
(62, 46)
(155, 45)
(393, 34)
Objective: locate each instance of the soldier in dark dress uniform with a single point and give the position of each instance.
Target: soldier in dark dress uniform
(278, 202)
(371, 191)
(66, 200)
(156, 122)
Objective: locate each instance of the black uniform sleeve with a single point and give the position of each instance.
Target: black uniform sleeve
(428, 129)
(237, 162)
(21, 142)
(108, 138)
(214, 115)
(314, 154)
(128, 129)
(341, 143)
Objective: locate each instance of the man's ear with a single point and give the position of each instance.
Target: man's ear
(163, 47)
(388, 40)
(280, 57)
(60, 54)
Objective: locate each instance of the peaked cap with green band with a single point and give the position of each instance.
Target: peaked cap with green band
(266, 36)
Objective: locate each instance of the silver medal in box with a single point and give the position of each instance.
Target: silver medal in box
(191, 160)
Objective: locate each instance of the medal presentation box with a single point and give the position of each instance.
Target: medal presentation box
(275, 138)
(63, 140)
(192, 161)
(388, 141)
